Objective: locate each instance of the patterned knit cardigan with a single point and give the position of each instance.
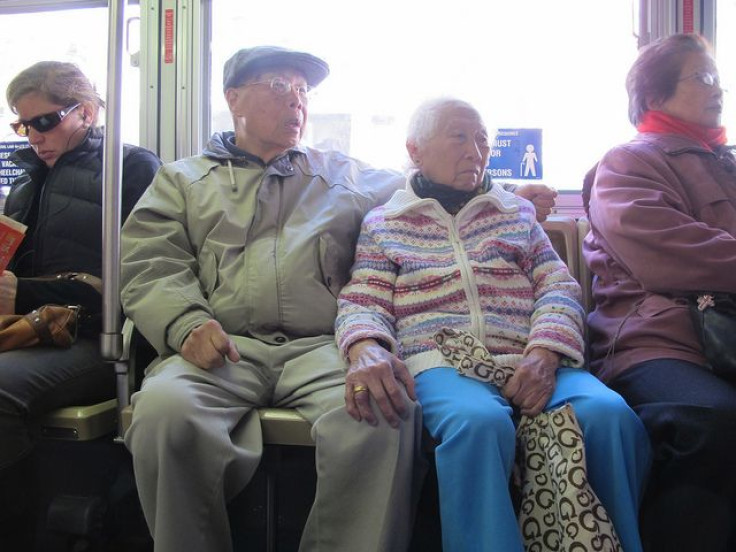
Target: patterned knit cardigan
(489, 270)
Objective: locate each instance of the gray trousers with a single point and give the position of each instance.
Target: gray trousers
(196, 442)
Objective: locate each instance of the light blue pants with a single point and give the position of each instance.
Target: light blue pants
(473, 424)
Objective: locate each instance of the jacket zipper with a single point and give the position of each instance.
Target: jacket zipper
(40, 222)
(477, 323)
(276, 244)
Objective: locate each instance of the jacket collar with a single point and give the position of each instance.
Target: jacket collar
(406, 200)
(26, 158)
(220, 149)
(672, 144)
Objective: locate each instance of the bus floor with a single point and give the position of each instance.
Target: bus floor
(85, 501)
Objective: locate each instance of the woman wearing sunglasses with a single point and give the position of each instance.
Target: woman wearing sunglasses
(59, 198)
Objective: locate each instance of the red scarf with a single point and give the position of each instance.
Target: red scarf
(662, 123)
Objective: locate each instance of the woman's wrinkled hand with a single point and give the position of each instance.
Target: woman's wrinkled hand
(377, 375)
(533, 382)
(8, 291)
(208, 346)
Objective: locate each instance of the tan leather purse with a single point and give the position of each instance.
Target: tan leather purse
(47, 325)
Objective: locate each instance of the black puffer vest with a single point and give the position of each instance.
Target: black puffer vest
(63, 206)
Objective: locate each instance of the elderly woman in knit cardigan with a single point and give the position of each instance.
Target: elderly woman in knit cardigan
(454, 250)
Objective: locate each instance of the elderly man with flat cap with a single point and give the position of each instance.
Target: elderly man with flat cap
(232, 264)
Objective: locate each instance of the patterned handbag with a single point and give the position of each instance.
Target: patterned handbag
(559, 511)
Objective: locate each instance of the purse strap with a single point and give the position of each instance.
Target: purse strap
(41, 326)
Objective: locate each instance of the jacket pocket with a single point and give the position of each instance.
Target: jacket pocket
(334, 263)
(207, 272)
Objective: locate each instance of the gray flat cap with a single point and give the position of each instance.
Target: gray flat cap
(250, 61)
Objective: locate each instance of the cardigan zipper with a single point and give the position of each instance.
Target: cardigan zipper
(477, 322)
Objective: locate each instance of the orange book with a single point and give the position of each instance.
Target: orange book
(11, 234)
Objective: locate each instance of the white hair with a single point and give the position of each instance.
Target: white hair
(425, 121)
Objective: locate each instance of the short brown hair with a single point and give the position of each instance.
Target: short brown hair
(655, 73)
(60, 82)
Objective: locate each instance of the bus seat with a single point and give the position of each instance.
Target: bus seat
(563, 233)
(279, 426)
(81, 423)
(285, 426)
(89, 422)
(586, 277)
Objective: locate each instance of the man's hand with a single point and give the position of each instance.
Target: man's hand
(375, 373)
(543, 198)
(207, 346)
(533, 382)
(8, 290)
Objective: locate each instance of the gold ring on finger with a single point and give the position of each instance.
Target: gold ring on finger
(359, 389)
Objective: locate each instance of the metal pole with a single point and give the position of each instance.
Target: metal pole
(111, 340)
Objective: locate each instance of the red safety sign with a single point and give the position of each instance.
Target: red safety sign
(169, 36)
(688, 16)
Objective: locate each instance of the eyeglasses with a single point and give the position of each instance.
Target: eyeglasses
(42, 123)
(282, 87)
(704, 77)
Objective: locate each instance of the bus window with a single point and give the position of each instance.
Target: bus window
(75, 35)
(527, 64)
(726, 56)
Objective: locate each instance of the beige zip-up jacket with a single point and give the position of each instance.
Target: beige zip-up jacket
(264, 250)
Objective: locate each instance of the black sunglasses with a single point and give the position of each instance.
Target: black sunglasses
(42, 123)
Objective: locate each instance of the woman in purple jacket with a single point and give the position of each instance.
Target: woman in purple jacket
(662, 210)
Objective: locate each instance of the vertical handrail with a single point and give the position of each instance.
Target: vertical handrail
(111, 340)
